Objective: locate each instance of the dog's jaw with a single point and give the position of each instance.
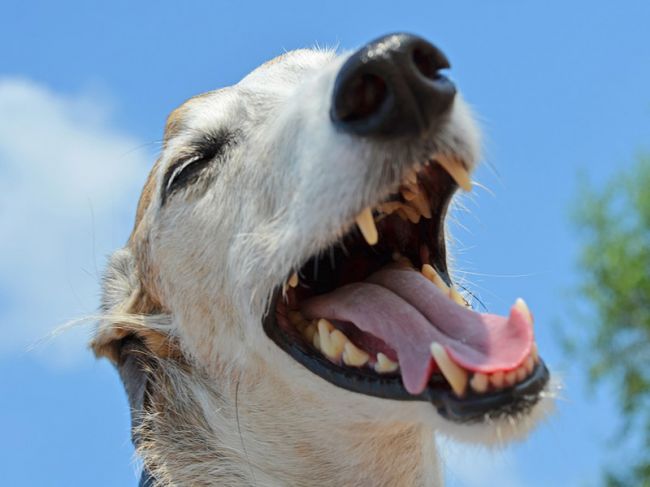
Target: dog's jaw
(289, 188)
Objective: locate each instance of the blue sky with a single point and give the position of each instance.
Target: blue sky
(560, 87)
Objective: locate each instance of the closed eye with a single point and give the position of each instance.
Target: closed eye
(198, 158)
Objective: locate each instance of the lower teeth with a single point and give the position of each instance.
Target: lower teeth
(336, 346)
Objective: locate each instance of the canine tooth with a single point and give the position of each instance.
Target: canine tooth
(521, 305)
(479, 382)
(456, 170)
(497, 379)
(354, 356)
(455, 375)
(430, 273)
(384, 364)
(510, 378)
(293, 280)
(457, 297)
(366, 224)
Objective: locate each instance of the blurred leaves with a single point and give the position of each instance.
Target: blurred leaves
(614, 264)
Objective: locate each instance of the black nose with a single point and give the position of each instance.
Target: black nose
(392, 87)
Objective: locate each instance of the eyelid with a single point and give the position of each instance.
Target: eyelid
(202, 152)
(178, 167)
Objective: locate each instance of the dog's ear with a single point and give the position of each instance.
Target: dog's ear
(127, 310)
(119, 288)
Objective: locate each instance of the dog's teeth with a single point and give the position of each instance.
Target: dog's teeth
(497, 379)
(332, 345)
(456, 170)
(331, 340)
(479, 382)
(455, 375)
(521, 373)
(411, 176)
(354, 356)
(402, 214)
(421, 203)
(412, 214)
(534, 353)
(521, 305)
(309, 332)
(324, 326)
(510, 378)
(430, 273)
(366, 224)
(316, 340)
(408, 194)
(385, 365)
(529, 364)
(389, 207)
(293, 280)
(457, 297)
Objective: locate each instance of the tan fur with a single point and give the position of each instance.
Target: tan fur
(225, 406)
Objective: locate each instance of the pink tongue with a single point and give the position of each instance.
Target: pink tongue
(408, 312)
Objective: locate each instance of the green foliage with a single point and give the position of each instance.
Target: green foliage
(614, 224)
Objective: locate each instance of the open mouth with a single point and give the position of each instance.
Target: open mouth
(377, 313)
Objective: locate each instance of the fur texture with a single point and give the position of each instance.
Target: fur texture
(225, 406)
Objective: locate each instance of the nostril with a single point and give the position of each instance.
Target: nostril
(429, 61)
(364, 96)
(393, 86)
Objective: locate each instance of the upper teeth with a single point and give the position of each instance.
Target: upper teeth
(416, 201)
(456, 170)
(366, 224)
(293, 280)
(432, 275)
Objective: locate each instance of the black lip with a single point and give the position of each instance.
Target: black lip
(471, 408)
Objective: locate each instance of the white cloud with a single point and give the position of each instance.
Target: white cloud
(473, 466)
(68, 188)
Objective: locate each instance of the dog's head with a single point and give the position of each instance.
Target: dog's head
(293, 230)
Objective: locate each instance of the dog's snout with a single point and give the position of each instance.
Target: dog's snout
(392, 87)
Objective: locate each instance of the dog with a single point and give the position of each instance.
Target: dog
(283, 312)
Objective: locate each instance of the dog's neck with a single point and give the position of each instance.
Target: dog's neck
(256, 432)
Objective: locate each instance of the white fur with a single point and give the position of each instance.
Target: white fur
(210, 258)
